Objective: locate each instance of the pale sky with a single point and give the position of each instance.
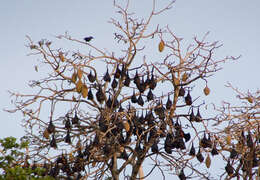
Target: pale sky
(235, 23)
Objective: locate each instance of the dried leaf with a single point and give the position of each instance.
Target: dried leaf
(161, 46)
(61, 56)
(127, 126)
(208, 162)
(206, 90)
(79, 86)
(46, 134)
(84, 91)
(74, 77)
(228, 139)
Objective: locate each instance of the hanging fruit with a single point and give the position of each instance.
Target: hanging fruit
(100, 95)
(67, 138)
(90, 95)
(140, 100)
(214, 150)
(84, 91)
(153, 82)
(208, 162)
(229, 169)
(118, 72)
(155, 148)
(141, 86)
(198, 117)
(161, 46)
(192, 150)
(182, 175)
(67, 123)
(136, 79)
(114, 83)
(187, 137)
(206, 90)
(109, 102)
(200, 156)
(181, 91)
(75, 119)
(233, 153)
(168, 103)
(51, 127)
(61, 56)
(188, 99)
(133, 97)
(150, 95)
(91, 77)
(249, 140)
(192, 116)
(126, 126)
(127, 80)
(53, 143)
(107, 77)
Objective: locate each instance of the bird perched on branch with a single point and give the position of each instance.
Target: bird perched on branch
(87, 39)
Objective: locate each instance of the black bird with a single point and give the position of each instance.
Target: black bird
(87, 39)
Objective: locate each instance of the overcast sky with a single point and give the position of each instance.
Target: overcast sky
(235, 23)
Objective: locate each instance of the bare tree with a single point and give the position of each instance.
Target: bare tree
(127, 113)
(241, 135)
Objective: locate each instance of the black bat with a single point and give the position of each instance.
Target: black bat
(87, 39)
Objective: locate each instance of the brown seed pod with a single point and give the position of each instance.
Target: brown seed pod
(161, 46)
(140, 100)
(206, 90)
(75, 120)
